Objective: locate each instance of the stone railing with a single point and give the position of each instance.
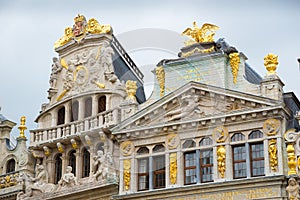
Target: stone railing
(9, 179)
(104, 119)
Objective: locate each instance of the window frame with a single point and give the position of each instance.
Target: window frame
(256, 159)
(142, 174)
(239, 161)
(157, 172)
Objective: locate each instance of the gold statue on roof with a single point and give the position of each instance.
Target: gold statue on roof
(204, 34)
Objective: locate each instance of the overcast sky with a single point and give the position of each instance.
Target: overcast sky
(30, 28)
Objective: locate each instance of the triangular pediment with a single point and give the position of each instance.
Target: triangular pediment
(195, 101)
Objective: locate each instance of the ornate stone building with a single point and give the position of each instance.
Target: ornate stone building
(211, 129)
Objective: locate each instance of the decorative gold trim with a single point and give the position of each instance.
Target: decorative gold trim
(291, 159)
(221, 154)
(126, 173)
(160, 75)
(173, 168)
(273, 154)
(131, 88)
(234, 63)
(172, 141)
(127, 148)
(197, 50)
(204, 34)
(62, 95)
(220, 134)
(63, 63)
(76, 72)
(271, 126)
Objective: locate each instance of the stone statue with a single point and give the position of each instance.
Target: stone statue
(106, 53)
(56, 68)
(293, 189)
(102, 166)
(37, 185)
(68, 179)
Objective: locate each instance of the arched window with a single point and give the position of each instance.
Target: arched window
(102, 104)
(255, 134)
(237, 137)
(72, 160)
(61, 116)
(188, 144)
(85, 163)
(10, 166)
(100, 146)
(205, 142)
(58, 168)
(88, 107)
(159, 148)
(74, 109)
(142, 150)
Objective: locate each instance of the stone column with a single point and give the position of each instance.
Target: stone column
(167, 169)
(92, 154)
(50, 169)
(63, 163)
(180, 171)
(68, 112)
(81, 109)
(268, 169)
(78, 164)
(94, 105)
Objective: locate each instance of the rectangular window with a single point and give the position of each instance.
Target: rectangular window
(159, 172)
(143, 174)
(257, 159)
(206, 165)
(190, 175)
(239, 161)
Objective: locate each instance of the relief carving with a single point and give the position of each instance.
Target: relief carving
(293, 189)
(37, 185)
(271, 126)
(127, 148)
(172, 141)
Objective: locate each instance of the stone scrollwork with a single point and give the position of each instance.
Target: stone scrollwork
(221, 157)
(172, 141)
(271, 127)
(234, 63)
(273, 154)
(173, 168)
(220, 134)
(293, 189)
(291, 135)
(126, 173)
(127, 148)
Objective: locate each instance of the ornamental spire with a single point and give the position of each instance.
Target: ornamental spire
(22, 127)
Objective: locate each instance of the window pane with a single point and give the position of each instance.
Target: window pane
(206, 165)
(188, 144)
(159, 148)
(159, 172)
(190, 167)
(239, 161)
(257, 159)
(143, 174)
(255, 134)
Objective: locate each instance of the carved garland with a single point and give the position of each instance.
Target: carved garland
(221, 153)
(234, 63)
(126, 173)
(173, 168)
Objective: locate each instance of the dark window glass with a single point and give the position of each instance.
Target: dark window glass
(61, 116)
(74, 113)
(143, 174)
(239, 161)
(257, 159)
(255, 134)
(58, 168)
(143, 150)
(159, 173)
(188, 144)
(206, 165)
(85, 163)
(101, 104)
(10, 166)
(72, 161)
(88, 107)
(205, 142)
(237, 137)
(190, 175)
(159, 148)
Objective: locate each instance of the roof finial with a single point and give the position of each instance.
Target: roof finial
(22, 128)
(271, 62)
